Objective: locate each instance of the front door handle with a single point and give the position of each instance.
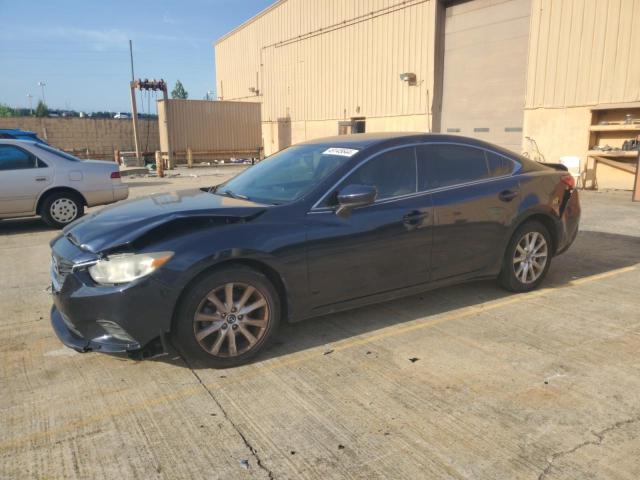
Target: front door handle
(414, 218)
(508, 195)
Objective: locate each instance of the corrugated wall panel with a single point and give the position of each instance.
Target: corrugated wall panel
(206, 126)
(583, 52)
(339, 72)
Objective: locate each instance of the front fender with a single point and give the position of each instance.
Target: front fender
(282, 254)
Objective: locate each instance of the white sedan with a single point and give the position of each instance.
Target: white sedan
(36, 179)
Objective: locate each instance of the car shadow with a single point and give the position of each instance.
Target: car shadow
(12, 226)
(592, 253)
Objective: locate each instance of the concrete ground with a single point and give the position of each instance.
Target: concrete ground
(469, 382)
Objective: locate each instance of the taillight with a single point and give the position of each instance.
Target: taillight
(115, 174)
(569, 181)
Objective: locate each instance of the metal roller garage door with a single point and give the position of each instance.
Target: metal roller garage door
(485, 64)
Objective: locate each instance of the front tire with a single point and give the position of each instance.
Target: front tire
(527, 258)
(61, 208)
(227, 317)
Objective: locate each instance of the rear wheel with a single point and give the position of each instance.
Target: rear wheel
(227, 317)
(61, 208)
(527, 258)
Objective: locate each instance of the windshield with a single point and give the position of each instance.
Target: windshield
(288, 175)
(56, 152)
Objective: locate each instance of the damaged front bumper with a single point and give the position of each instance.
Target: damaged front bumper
(69, 336)
(86, 316)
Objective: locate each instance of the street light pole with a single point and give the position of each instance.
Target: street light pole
(29, 96)
(42, 85)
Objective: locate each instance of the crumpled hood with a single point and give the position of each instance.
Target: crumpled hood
(127, 221)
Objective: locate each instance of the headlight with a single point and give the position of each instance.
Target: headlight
(127, 267)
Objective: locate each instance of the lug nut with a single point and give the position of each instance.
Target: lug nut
(233, 310)
(235, 327)
(224, 326)
(240, 317)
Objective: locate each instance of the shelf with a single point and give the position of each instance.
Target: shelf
(626, 167)
(615, 128)
(616, 106)
(613, 154)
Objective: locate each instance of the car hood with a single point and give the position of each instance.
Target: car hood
(125, 222)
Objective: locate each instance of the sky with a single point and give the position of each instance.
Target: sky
(80, 48)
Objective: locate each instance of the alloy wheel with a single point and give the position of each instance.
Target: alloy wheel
(63, 210)
(530, 257)
(231, 320)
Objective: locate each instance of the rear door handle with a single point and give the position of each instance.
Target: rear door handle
(41, 179)
(508, 195)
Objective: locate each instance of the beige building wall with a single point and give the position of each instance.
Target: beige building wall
(583, 53)
(89, 137)
(314, 63)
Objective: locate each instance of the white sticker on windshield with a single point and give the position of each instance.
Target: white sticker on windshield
(343, 152)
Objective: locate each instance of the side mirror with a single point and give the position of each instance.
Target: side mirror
(353, 196)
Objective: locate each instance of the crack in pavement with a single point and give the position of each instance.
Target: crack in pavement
(246, 442)
(600, 438)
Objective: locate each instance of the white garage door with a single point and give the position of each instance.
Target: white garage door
(485, 63)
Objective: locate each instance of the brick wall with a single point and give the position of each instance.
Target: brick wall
(89, 137)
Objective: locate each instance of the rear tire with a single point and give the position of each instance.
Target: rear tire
(61, 208)
(227, 317)
(527, 258)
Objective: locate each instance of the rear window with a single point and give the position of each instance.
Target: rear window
(57, 152)
(498, 165)
(446, 165)
(14, 158)
(442, 165)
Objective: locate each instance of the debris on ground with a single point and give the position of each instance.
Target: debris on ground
(244, 464)
(414, 359)
(328, 352)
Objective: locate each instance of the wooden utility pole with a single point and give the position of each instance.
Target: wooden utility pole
(159, 164)
(636, 184)
(155, 85)
(134, 108)
(134, 116)
(165, 97)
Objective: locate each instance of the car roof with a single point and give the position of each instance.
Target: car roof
(16, 131)
(364, 140)
(358, 139)
(14, 141)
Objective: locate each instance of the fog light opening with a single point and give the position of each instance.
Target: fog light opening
(115, 330)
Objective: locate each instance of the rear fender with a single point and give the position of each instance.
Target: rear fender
(543, 214)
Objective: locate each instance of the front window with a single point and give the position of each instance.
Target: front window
(56, 152)
(288, 175)
(393, 173)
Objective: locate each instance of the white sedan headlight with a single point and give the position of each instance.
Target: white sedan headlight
(126, 267)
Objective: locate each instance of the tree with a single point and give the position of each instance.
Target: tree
(6, 110)
(179, 91)
(42, 110)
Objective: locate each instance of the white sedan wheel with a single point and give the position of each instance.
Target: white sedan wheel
(63, 210)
